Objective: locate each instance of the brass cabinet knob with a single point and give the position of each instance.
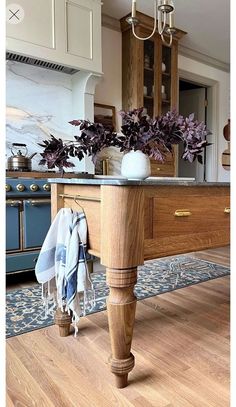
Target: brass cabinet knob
(47, 187)
(227, 210)
(20, 187)
(8, 187)
(34, 187)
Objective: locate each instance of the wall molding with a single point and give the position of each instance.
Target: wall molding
(110, 22)
(205, 59)
(114, 24)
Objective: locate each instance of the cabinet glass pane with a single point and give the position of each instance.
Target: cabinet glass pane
(148, 83)
(166, 79)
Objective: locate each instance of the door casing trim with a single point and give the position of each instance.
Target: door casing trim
(212, 118)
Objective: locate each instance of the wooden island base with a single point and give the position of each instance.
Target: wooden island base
(131, 223)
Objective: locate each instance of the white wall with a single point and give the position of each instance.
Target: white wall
(109, 89)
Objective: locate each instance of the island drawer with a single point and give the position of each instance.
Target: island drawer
(190, 214)
(162, 170)
(166, 169)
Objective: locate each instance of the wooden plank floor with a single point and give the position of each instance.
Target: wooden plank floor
(181, 346)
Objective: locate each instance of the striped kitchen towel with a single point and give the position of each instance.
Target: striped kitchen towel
(62, 267)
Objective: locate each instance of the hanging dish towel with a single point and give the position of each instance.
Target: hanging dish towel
(61, 266)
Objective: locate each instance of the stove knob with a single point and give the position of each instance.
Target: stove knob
(47, 187)
(8, 187)
(34, 187)
(20, 187)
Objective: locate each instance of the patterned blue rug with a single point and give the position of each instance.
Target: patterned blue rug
(25, 311)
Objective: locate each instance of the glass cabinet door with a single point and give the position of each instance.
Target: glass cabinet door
(157, 77)
(148, 78)
(166, 80)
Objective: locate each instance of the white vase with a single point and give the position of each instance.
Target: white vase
(163, 67)
(135, 165)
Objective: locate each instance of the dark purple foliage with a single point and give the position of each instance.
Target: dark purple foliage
(93, 138)
(55, 154)
(154, 137)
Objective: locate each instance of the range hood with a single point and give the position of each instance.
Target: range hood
(38, 62)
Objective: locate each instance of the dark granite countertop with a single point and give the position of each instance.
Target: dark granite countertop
(109, 180)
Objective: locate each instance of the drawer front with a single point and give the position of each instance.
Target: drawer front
(206, 223)
(21, 261)
(166, 169)
(36, 221)
(190, 214)
(13, 228)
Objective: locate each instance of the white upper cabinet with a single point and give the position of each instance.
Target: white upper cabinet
(66, 32)
(36, 26)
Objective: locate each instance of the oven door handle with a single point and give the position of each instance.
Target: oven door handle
(38, 202)
(13, 203)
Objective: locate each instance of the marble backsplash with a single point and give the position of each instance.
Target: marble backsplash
(39, 103)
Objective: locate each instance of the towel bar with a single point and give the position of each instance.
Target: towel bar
(80, 197)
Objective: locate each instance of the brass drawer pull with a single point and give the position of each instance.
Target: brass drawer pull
(38, 202)
(227, 210)
(182, 212)
(13, 203)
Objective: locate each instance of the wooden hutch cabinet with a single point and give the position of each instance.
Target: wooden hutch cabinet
(150, 77)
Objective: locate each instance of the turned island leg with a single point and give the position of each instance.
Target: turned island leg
(63, 320)
(121, 305)
(122, 240)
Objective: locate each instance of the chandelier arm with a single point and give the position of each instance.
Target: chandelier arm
(161, 27)
(168, 44)
(154, 28)
(144, 38)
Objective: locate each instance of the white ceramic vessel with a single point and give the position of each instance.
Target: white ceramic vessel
(135, 165)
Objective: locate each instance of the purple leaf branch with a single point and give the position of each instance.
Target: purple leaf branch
(154, 137)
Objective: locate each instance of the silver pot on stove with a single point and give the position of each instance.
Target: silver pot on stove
(19, 161)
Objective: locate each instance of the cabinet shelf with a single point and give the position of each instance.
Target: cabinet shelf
(167, 74)
(165, 102)
(148, 97)
(149, 70)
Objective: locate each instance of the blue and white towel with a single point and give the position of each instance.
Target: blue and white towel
(61, 266)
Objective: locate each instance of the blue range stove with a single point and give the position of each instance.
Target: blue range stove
(28, 218)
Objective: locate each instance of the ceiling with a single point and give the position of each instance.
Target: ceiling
(207, 23)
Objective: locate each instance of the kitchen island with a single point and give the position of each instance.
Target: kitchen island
(133, 221)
